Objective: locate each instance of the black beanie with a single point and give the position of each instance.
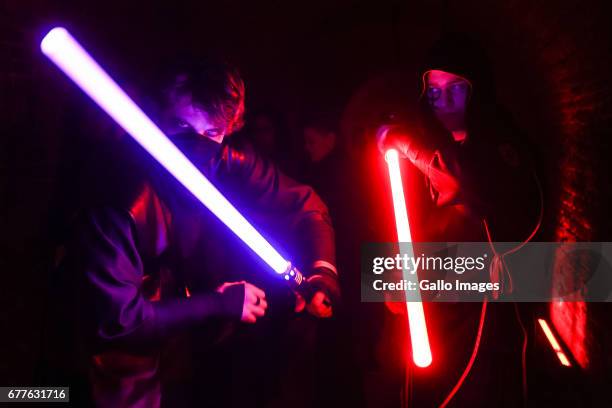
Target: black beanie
(460, 54)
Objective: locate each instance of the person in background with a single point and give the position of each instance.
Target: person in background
(266, 131)
(265, 134)
(327, 164)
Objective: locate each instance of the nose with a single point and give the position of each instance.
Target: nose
(445, 100)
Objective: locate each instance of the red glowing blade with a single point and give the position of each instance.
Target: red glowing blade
(554, 343)
(421, 351)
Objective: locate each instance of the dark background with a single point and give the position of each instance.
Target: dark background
(354, 59)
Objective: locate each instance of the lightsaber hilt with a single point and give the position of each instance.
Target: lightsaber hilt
(298, 282)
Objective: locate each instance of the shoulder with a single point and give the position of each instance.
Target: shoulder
(151, 219)
(141, 221)
(238, 151)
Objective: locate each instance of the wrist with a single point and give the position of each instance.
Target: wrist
(231, 301)
(325, 280)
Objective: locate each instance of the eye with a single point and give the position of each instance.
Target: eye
(433, 93)
(458, 87)
(182, 124)
(213, 132)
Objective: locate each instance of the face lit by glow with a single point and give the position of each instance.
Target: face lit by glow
(264, 133)
(448, 96)
(183, 115)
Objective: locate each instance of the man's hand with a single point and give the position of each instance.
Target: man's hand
(254, 305)
(399, 138)
(323, 282)
(319, 306)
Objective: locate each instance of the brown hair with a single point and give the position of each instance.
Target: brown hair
(215, 85)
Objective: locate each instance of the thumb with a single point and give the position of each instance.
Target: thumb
(300, 303)
(381, 137)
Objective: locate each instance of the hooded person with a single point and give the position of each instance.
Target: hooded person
(481, 186)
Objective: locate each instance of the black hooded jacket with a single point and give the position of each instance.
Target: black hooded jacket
(492, 173)
(485, 188)
(124, 280)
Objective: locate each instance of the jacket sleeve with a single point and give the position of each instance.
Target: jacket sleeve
(448, 182)
(109, 270)
(273, 193)
(451, 181)
(494, 182)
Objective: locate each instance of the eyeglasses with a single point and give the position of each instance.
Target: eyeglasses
(456, 89)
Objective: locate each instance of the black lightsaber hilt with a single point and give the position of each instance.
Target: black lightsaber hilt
(297, 281)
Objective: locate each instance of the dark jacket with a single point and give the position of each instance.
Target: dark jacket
(484, 189)
(127, 263)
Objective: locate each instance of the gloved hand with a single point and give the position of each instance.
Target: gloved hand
(406, 142)
(325, 291)
(444, 185)
(396, 308)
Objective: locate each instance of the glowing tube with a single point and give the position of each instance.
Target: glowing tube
(421, 351)
(554, 343)
(61, 48)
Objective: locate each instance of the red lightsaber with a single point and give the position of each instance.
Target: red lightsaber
(554, 343)
(421, 351)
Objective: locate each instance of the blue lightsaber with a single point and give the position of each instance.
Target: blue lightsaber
(65, 52)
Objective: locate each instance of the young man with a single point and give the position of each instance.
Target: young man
(134, 274)
(479, 185)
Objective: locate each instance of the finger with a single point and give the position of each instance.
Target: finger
(321, 305)
(300, 303)
(263, 303)
(257, 311)
(248, 317)
(225, 285)
(381, 146)
(319, 310)
(327, 301)
(250, 297)
(258, 292)
(221, 288)
(318, 298)
(381, 136)
(326, 313)
(398, 308)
